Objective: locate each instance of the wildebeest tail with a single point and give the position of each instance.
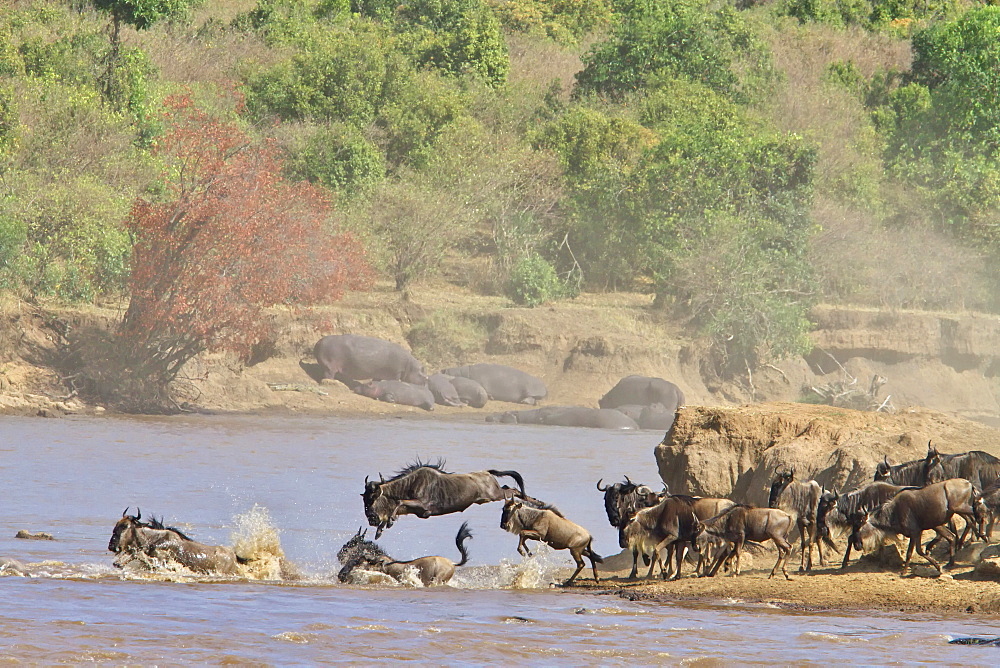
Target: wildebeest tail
(753, 547)
(464, 533)
(829, 542)
(593, 555)
(510, 474)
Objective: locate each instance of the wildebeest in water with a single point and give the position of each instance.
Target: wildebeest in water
(432, 570)
(134, 539)
(426, 490)
(547, 525)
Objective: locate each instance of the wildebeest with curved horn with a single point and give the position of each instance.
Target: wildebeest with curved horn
(800, 500)
(431, 570)
(913, 511)
(426, 490)
(623, 500)
(835, 509)
(980, 468)
(547, 525)
(134, 539)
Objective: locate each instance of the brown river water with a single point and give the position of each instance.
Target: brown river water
(292, 484)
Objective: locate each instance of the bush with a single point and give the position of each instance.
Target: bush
(533, 281)
(457, 36)
(678, 40)
(346, 73)
(565, 21)
(338, 157)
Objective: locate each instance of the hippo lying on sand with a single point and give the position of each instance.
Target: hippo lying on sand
(469, 391)
(397, 392)
(503, 383)
(355, 357)
(444, 392)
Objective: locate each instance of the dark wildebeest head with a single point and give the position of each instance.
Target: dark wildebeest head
(123, 535)
(827, 502)
(623, 500)
(358, 544)
(782, 478)
(426, 490)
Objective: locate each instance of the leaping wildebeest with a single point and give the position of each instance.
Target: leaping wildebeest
(913, 511)
(431, 570)
(548, 526)
(426, 490)
(742, 523)
(151, 541)
(800, 500)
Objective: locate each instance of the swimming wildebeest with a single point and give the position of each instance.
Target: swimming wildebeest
(913, 511)
(431, 570)
(135, 539)
(426, 490)
(742, 523)
(800, 500)
(623, 500)
(835, 509)
(671, 524)
(548, 526)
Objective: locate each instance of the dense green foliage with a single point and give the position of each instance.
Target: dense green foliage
(738, 161)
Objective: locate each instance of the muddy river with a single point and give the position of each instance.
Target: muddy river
(293, 484)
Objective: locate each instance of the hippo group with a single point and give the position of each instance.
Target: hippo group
(386, 371)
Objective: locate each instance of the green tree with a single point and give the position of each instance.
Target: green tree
(685, 39)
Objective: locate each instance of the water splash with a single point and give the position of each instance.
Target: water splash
(256, 539)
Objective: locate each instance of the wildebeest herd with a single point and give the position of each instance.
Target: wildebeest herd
(657, 527)
(386, 371)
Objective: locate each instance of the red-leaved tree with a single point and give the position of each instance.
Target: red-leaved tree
(231, 238)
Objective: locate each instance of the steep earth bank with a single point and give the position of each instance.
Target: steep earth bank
(580, 348)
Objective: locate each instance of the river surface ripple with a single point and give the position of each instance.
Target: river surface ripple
(222, 478)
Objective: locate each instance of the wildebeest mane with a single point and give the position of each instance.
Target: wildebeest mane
(417, 464)
(155, 523)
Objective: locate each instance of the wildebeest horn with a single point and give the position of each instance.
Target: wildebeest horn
(599, 489)
(628, 481)
(885, 458)
(366, 481)
(791, 473)
(380, 478)
(138, 513)
(125, 512)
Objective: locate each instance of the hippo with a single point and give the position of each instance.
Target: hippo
(631, 410)
(644, 391)
(469, 391)
(535, 416)
(355, 357)
(442, 389)
(656, 416)
(503, 383)
(568, 416)
(397, 392)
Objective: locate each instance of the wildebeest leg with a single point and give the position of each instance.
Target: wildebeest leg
(522, 546)
(947, 535)
(720, 555)
(577, 553)
(924, 554)
(679, 551)
(914, 541)
(593, 561)
(847, 555)
(784, 549)
(805, 560)
(635, 564)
